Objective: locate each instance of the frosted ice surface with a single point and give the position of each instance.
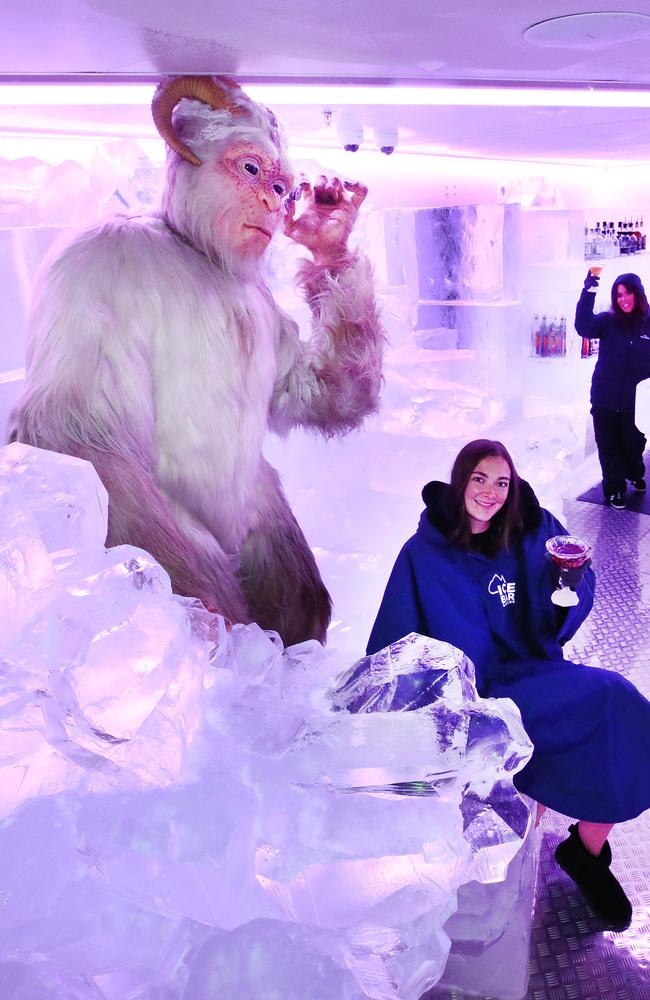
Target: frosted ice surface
(36, 193)
(406, 675)
(187, 813)
(482, 739)
(42, 524)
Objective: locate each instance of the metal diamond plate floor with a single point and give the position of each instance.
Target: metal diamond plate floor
(571, 958)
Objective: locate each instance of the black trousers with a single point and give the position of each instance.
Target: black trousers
(620, 446)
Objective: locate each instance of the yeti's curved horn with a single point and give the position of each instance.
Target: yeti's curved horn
(169, 93)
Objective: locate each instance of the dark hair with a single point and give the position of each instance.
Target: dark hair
(631, 283)
(507, 523)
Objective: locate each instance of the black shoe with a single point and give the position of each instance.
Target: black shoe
(639, 485)
(591, 874)
(616, 500)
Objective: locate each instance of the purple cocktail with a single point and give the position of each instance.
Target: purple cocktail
(568, 552)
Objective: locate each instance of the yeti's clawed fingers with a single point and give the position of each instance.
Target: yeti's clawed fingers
(358, 192)
(326, 193)
(328, 214)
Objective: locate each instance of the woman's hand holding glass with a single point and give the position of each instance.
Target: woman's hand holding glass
(571, 556)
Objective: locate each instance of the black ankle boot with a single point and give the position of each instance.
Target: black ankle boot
(591, 874)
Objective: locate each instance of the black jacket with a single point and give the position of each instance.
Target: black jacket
(623, 355)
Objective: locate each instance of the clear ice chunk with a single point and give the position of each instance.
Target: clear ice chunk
(186, 812)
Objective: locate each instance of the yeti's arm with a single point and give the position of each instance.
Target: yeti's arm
(332, 381)
(89, 393)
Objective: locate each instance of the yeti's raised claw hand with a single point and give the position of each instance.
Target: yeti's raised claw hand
(331, 208)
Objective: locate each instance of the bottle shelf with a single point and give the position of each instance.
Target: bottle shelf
(548, 337)
(625, 256)
(624, 236)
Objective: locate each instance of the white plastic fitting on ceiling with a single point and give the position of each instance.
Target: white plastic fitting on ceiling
(591, 30)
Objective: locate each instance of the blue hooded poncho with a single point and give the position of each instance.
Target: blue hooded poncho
(624, 353)
(590, 727)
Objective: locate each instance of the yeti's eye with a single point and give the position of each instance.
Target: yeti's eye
(280, 188)
(251, 167)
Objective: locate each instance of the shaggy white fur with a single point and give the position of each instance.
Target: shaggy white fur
(161, 358)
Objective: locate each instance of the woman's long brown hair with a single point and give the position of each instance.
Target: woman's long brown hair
(507, 524)
(631, 283)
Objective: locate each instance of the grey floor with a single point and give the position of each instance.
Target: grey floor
(571, 959)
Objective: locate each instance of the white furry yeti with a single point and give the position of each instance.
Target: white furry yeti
(157, 352)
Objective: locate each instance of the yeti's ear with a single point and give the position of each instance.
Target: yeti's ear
(200, 88)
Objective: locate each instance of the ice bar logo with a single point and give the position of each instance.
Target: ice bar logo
(506, 591)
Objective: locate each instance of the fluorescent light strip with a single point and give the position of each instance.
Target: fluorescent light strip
(324, 95)
(426, 96)
(75, 94)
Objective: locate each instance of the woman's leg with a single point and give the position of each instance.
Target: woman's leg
(610, 450)
(633, 442)
(594, 835)
(586, 856)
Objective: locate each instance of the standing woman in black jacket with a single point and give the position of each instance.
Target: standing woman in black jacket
(623, 361)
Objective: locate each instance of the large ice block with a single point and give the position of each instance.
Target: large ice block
(190, 813)
(491, 930)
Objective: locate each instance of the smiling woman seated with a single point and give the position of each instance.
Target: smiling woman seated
(475, 574)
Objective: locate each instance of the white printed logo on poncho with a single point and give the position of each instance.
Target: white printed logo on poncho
(506, 591)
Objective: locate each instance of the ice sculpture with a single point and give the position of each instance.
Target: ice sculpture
(191, 814)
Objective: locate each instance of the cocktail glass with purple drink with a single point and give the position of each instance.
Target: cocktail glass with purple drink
(568, 552)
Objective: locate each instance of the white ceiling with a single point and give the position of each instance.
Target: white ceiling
(356, 40)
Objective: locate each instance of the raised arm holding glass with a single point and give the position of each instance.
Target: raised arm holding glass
(623, 361)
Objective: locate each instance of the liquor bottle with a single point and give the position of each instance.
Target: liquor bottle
(608, 250)
(535, 343)
(551, 340)
(585, 348)
(543, 336)
(563, 336)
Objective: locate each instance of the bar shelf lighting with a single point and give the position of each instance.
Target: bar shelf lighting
(338, 94)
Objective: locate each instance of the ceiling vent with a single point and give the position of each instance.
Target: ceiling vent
(597, 30)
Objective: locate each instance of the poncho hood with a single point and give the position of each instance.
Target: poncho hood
(439, 513)
(631, 281)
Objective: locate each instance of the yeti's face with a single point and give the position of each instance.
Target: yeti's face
(255, 186)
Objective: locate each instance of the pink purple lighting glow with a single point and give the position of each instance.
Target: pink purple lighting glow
(341, 94)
